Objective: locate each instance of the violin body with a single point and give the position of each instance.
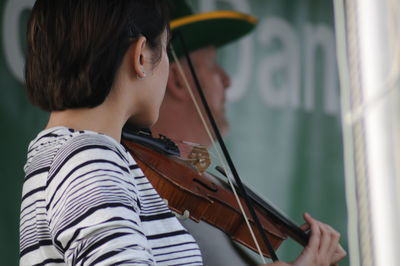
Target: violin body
(206, 199)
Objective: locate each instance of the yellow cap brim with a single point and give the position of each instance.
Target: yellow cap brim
(215, 28)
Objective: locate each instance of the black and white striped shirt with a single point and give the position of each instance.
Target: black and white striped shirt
(86, 202)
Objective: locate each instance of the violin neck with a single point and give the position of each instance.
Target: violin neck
(293, 230)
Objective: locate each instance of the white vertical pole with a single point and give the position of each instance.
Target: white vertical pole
(369, 59)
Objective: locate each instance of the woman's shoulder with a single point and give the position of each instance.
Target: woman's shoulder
(63, 144)
(89, 145)
(63, 137)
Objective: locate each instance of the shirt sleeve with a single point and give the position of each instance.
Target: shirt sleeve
(93, 206)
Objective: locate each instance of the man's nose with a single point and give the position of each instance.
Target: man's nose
(226, 80)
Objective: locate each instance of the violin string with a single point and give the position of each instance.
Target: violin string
(230, 178)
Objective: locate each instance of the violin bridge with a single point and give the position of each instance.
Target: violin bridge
(200, 158)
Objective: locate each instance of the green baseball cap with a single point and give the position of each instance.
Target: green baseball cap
(204, 29)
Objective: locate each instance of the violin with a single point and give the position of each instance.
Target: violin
(202, 196)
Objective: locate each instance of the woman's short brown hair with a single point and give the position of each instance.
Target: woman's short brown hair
(75, 47)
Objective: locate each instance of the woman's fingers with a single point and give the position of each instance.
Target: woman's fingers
(334, 245)
(335, 251)
(339, 254)
(313, 243)
(325, 244)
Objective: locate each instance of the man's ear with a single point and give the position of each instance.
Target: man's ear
(176, 86)
(139, 56)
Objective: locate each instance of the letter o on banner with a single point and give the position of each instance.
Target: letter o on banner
(11, 33)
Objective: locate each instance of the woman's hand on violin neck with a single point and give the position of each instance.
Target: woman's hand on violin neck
(323, 248)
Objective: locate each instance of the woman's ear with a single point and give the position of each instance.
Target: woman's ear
(139, 56)
(176, 86)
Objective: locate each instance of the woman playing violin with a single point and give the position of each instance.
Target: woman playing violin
(93, 65)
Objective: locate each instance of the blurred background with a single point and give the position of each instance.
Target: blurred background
(283, 108)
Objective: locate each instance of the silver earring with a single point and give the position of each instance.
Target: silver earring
(139, 77)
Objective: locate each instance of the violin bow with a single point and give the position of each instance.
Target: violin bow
(222, 145)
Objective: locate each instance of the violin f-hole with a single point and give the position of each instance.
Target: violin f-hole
(210, 186)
